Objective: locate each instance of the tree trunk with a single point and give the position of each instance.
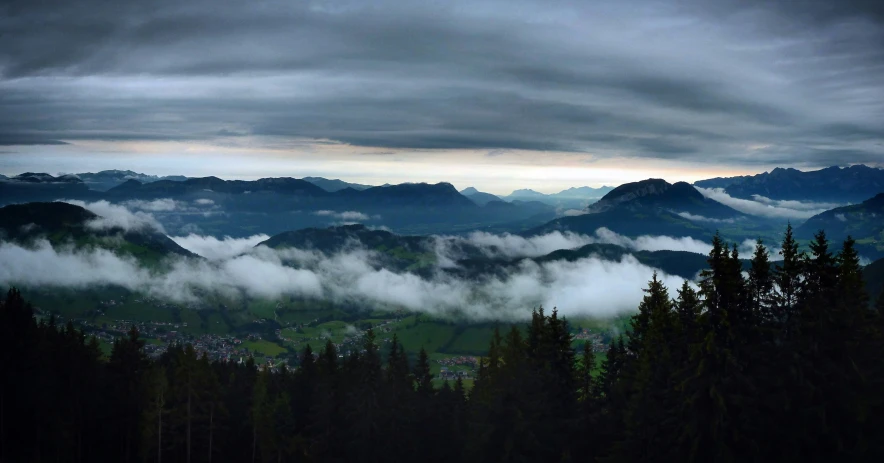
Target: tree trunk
(2, 422)
(188, 424)
(211, 429)
(127, 438)
(160, 404)
(79, 430)
(254, 441)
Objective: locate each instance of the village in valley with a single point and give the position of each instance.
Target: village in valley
(276, 346)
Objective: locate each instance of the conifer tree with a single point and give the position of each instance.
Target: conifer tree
(262, 418)
(157, 386)
(687, 309)
(787, 278)
(188, 391)
(324, 414)
(820, 272)
(402, 410)
(650, 375)
(397, 367)
(851, 288)
(422, 376)
(363, 404)
(127, 364)
(212, 407)
(587, 365)
(879, 304)
(760, 283)
(715, 381)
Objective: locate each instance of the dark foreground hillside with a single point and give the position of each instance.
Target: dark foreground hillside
(782, 365)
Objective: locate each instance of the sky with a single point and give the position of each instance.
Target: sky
(494, 94)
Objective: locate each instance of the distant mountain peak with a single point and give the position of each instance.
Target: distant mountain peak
(659, 194)
(59, 222)
(585, 189)
(335, 184)
(525, 191)
(479, 197)
(105, 180)
(42, 177)
(685, 189)
(832, 184)
(630, 191)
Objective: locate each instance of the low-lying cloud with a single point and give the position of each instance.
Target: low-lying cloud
(202, 206)
(157, 205)
(814, 207)
(237, 268)
(765, 207)
(586, 287)
(217, 249)
(573, 212)
(653, 243)
(700, 218)
(346, 216)
(515, 246)
(116, 216)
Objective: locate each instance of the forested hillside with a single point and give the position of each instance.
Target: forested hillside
(784, 364)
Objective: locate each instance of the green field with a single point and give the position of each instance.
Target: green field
(265, 348)
(472, 340)
(263, 309)
(427, 335)
(316, 336)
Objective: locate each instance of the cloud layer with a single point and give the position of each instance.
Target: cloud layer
(721, 81)
(587, 287)
(236, 268)
(700, 218)
(514, 246)
(117, 216)
(346, 216)
(766, 207)
(218, 249)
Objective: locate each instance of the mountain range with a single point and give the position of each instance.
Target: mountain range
(651, 207)
(64, 224)
(332, 185)
(479, 197)
(210, 205)
(271, 205)
(832, 184)
(31, 186)
(864, 222)
(107, 179)
(68, 224)
(415, 253)
(572, 198)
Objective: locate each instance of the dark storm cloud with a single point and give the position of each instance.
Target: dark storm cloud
(722, 81)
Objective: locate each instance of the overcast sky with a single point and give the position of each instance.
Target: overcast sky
(496, 94)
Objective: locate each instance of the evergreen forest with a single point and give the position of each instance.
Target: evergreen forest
(782, 362)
